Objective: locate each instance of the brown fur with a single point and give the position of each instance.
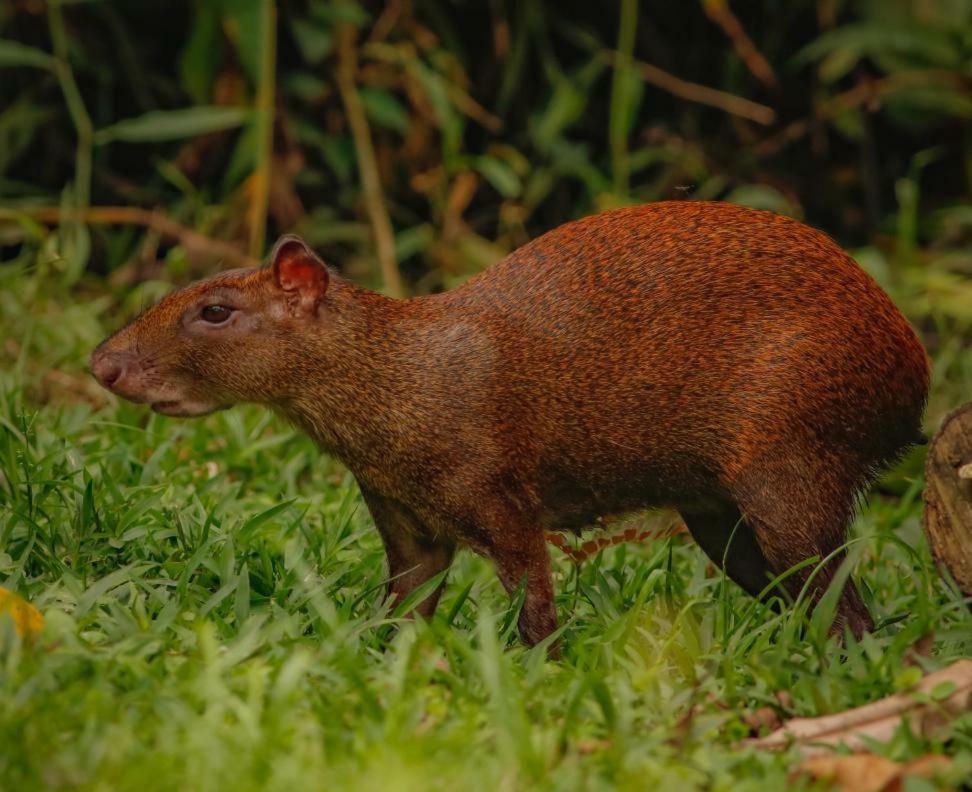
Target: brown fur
(733, 364)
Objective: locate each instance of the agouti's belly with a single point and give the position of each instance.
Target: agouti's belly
(594, 482)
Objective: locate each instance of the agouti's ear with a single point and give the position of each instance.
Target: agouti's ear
(299, 272)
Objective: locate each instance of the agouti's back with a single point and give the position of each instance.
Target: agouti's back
(684, 340)
(731, 363)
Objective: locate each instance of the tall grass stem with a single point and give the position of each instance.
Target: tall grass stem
(264, 122)
(75, 104)
(620, 117)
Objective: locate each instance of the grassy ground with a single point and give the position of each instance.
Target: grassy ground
(215, 618)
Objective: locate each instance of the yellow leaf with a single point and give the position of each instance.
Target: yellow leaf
(27, 619)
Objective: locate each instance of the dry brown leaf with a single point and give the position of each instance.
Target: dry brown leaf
(880, 719)
(859, 772)
(762, 718)
(591, 746)
(870, 773)
(922, 648)
(927, 766)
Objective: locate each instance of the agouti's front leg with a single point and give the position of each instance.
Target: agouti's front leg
(412, 558)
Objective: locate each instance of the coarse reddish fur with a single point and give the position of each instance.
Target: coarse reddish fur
(730, 363)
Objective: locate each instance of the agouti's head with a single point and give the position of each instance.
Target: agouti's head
(232, 338)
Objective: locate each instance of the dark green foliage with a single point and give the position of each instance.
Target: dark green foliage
(492, 121)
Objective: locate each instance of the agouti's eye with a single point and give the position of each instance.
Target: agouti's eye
(216, 314)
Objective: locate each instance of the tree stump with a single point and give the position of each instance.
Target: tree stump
(948, 496)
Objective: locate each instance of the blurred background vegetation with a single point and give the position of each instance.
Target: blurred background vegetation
(413, 142)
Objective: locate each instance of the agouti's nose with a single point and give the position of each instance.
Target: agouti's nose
(108, 368)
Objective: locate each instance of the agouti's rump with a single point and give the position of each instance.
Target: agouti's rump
(730, 363)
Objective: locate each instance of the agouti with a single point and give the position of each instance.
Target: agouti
(732, 364)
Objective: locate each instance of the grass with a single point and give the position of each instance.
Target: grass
(213, 595)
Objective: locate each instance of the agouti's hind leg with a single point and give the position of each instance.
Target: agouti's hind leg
(538, 617)
(799, 507)
(727, 539)
(522, 558)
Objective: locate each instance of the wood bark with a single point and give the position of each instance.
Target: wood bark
(937, 699)
(948, 497)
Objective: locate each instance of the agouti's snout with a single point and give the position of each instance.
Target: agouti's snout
(111, 368)
(136, 378)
